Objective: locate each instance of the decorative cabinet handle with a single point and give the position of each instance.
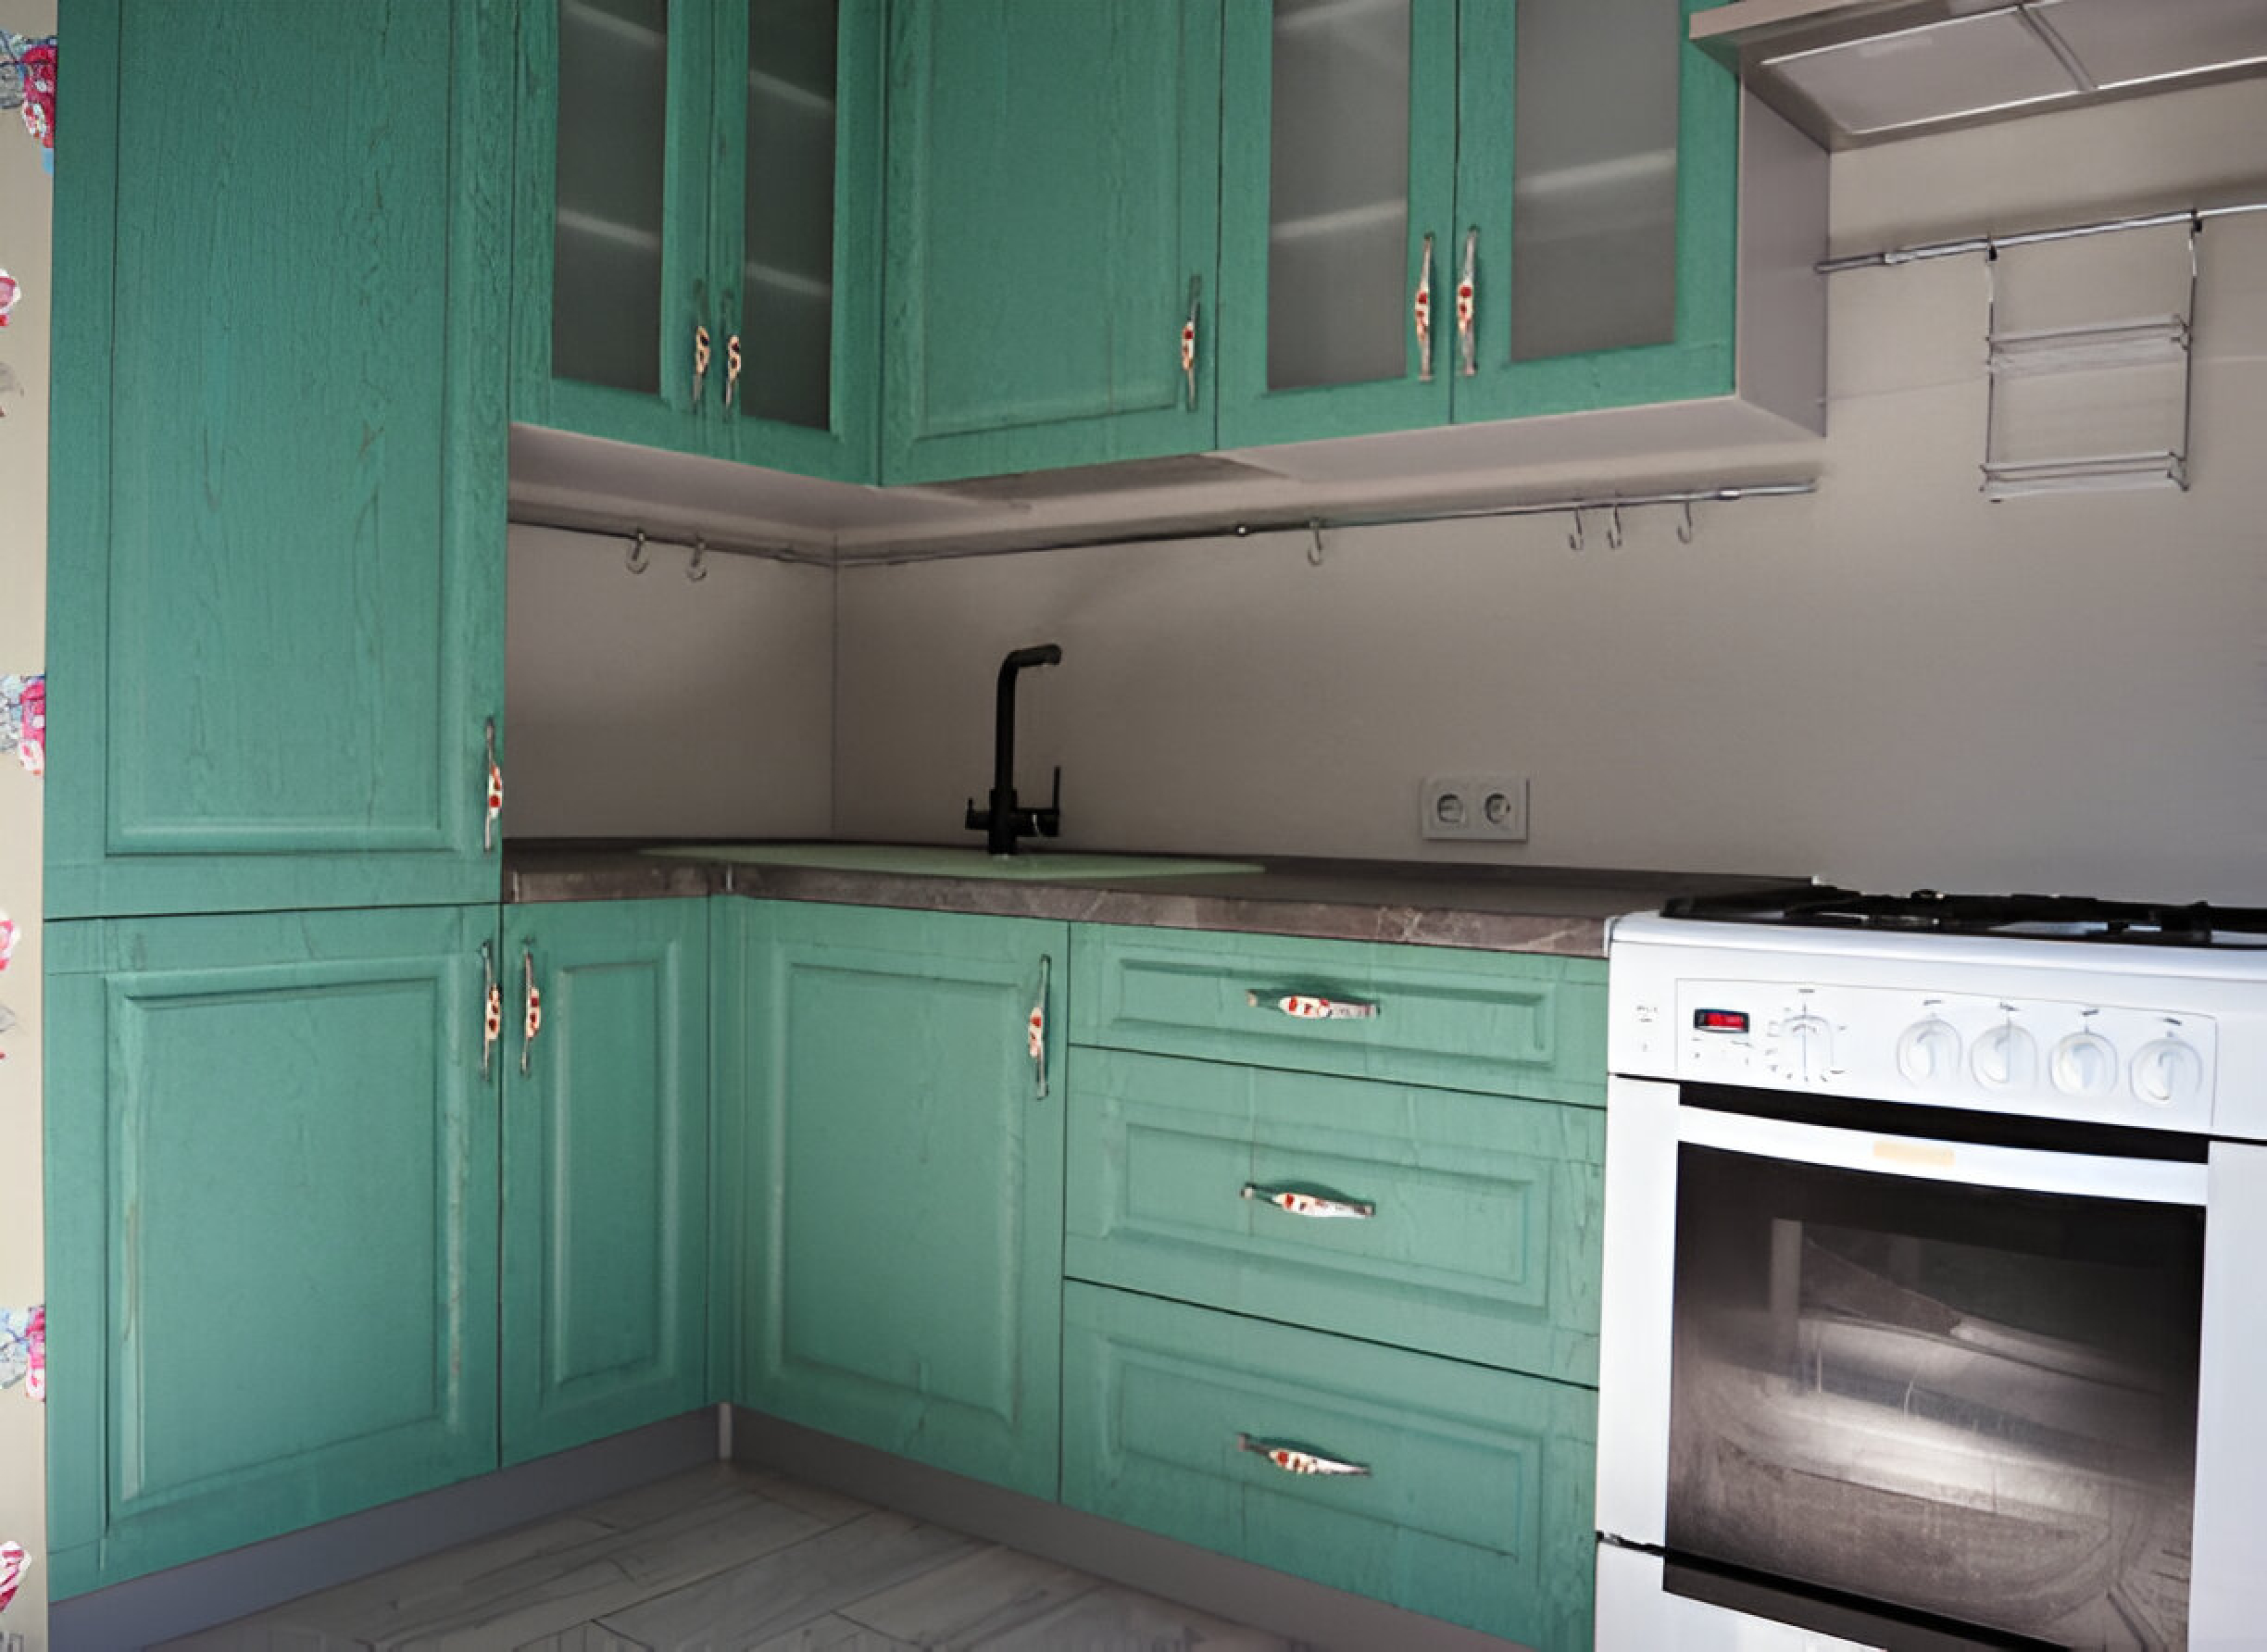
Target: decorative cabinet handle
(700, 360)
(1188, 338)
(533, 1023)
(1310, 1006)
(1423, 309)
(1467, 305)
(1297, 1460)
(731, 366)
(1300, 1201)
(492, 1008)
(1035, 1028)
(495, 794)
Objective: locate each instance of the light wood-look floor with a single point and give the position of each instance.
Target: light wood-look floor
(732, 1560)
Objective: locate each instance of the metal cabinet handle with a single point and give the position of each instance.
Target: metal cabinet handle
(1300, 1201)
(533, 1023)
(1297, 1460)
(495, 794)
(700, 358)
(492, 1008)
(1188, 338)
(1423, 309)
(731, 366)
(1467, 305)
(1310, 1006)
(1035, 1028)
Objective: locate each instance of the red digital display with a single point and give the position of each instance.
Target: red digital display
(1721, 1020)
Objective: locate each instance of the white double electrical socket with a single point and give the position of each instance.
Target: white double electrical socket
(1489, 807)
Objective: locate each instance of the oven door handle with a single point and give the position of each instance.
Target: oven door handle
(2029, 1170)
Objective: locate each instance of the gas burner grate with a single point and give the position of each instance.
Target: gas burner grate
(2030, 916)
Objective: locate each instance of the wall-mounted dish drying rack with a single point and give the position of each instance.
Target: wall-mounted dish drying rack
(2090, 405)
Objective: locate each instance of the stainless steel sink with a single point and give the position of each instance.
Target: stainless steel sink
(962, 860)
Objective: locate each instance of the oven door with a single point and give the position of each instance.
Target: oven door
(1868, 1389)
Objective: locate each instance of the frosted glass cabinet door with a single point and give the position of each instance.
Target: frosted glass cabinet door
(1598, 157)
(1340, 164)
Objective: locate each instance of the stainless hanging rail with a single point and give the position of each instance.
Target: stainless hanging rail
(2196, 218)
(1306, 522)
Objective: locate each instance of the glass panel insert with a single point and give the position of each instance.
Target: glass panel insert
(1338, 230)
(1959, 1400)
(613, 133)
(1593, 183)
(787, 278)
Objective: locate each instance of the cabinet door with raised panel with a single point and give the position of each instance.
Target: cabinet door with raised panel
(606, 1170)
(1053, 199)
(278, 479)
(271, 1226)
(897, 1095)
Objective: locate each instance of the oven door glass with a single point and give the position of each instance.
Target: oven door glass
(1970, 1403)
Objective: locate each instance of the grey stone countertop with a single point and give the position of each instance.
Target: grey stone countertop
(1498, 908)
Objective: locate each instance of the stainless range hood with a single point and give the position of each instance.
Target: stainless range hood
(1863, 71)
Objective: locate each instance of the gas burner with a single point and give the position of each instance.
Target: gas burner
(2027, 917)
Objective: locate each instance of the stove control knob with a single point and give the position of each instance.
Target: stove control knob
(2167, 1072)
(2083, 1064)
(2005, 1058)
(1928, 1052)
(1811, 1039)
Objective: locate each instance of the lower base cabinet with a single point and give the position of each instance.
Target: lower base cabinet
(1448, 1488)
(901, 1168)
(293, 1187)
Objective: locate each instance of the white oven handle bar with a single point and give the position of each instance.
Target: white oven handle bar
(2152, 1181)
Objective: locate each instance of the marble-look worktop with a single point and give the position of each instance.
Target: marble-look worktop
(1496, 908)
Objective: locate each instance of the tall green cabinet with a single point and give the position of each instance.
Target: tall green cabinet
(277, 477)
(900, 1243)
(697, 215)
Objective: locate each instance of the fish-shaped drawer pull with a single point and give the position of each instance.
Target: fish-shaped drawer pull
(1310, 1006)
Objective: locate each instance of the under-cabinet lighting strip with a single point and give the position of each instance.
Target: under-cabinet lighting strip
(1993, 244)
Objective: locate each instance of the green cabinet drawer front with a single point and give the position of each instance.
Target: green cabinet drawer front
(1477, 1502)
(902, 1176)
(1052, 204)
(1516, 1023)
(1482, 1240)
(605, 1164)
(279, 467)
(271, 1227)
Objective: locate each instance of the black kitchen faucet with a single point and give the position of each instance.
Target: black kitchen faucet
(1005, 822)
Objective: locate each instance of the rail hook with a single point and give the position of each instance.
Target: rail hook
(1614, 528)
(1685, 528)
(637, 558)
(697, 569)
(1314, 548)
(1574, 539)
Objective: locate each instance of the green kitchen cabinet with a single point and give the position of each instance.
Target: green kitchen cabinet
(1051, 233)
(604, 1171)
(277, 473)
(698, 200)
(897, 1096)
(272, 1235)
(1569, 164)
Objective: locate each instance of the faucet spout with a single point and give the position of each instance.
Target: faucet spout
(1004, 821)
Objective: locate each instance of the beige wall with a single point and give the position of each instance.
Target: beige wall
(26, 199)
(1893, 682)
(653, 705)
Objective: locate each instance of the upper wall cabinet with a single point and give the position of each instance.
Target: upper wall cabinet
(697, 213)
(1053, 207)
(1436, 212)
(278, 463)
